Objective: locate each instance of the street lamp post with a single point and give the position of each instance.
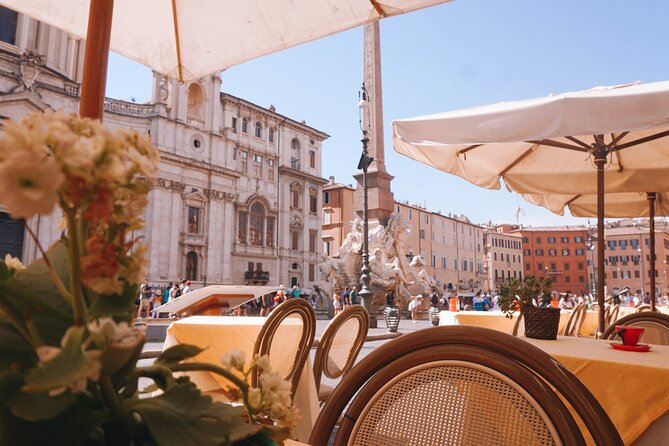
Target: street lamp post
(365, 160)
(619, 277)
(590, 246)
(643, 272)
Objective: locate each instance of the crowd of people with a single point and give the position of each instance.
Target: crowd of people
(342, 300)
(151, 297)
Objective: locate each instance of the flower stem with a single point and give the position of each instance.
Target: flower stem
(79, 306)
(227, 374)
(109, 394)
(54, 276)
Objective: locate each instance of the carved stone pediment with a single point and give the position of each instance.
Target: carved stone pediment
(219, 195)
(171, 185)
(28, 71)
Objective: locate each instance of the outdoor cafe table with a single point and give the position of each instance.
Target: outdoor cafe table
(496, 320)
(219, 334)
(632, 387)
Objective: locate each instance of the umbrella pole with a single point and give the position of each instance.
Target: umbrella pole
(94, 79)
(651, 213)
(600, 160)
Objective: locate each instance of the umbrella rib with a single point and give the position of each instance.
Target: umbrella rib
(561, 145)
(643, 140)
(518, 160)
(176, 38)
(578, 141)
(574, 198)
(467, 149)
(378, 8)
(615, 139)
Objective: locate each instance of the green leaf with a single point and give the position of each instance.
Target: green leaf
(178, 353)
(69, 365)
(120, 307)
(32, 294)
(73, 427)
(4, 271)
(39, 406)
(183, 416)
(15, 351)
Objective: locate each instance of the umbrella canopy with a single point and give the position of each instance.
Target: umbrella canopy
(188, 39)
(547, 145)
(618, 205)
(561, 144)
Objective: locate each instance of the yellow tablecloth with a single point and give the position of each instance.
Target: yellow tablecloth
(632, 387)
(496, 320)
(220, 334)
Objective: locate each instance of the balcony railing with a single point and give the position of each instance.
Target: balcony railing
(256, 276)
(129, 108)
(194, 121)
(193, 239)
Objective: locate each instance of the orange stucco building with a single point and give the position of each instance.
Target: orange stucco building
(557, 252)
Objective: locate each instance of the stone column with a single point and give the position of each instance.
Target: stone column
(380, 197)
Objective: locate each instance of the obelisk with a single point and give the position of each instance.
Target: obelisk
(380, 198)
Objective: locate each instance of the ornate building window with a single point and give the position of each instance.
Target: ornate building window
(270, 169)
(244, 156)
(8, 19)
(312, 159)
(295, 154)
(312, 240)
(295, 233)
(313, 200)
(258, 131)
(233, 125)
(245, 125)
(295, 193)
(256, 224)
(191, 266)
(193, 220)
(196, 100)
(270, 134)
(269, 235)
(241, 227)
(257, 165)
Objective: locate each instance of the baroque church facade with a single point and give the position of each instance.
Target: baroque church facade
(237, 197)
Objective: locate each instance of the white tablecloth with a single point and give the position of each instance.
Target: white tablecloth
(220, 334)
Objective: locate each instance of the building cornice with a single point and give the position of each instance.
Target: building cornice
(180, 187)
(297, 174)
(202, 166)
(268, 113)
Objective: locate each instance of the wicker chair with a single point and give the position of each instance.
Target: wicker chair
(656, 325)
(263, 346)
(339, 346)
(575, 322)
(460, 385)
(594, 307)
(642, 308)
(611, 314)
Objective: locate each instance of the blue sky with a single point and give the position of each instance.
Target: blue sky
(459, 54)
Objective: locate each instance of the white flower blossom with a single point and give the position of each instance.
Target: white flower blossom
(234, 359)
(255, 398)
(262, 362)
(13, 262)
(29, 186)
(105, 331)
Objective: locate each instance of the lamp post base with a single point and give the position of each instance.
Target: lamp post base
(366, 301)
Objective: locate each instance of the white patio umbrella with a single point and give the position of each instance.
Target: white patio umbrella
(617, 205)
(560, 144)
(188, 39)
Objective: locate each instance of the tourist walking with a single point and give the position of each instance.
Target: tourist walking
(336, 302)
(345, 298)
(353, 296)
(174, 289)
(413, 307)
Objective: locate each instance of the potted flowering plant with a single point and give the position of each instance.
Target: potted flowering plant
(68, 349)
(529, 295)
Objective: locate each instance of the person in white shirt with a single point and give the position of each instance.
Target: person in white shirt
(566, 302)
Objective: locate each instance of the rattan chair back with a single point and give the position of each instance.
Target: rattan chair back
(656, 325)
(611, 313)
(289, 310)
(340, 343)
(461, 385)
(594, 307)
(575, 321)
(642, 308)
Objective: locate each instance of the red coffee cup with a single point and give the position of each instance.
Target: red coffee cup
(629, 335)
